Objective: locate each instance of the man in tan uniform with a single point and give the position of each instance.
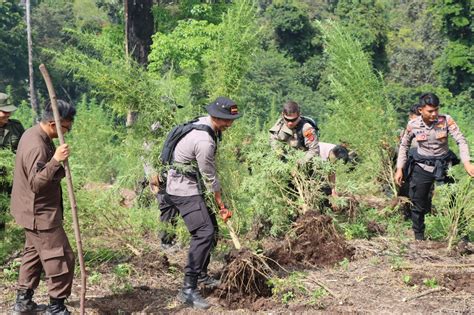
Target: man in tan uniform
(193, 170)
(295, 131)
(36, 205)
(431, 158)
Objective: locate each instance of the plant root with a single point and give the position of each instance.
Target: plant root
(247, 274)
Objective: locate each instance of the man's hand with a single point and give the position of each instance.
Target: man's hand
(62, 153)
(398, 176)
(225, 213)
(154, 184)
(469, 168)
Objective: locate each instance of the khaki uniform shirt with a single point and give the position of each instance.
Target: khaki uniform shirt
(10, 134)
(36, 201)
(325, 149)
(281, 133)
(197, 147)
(432, 140)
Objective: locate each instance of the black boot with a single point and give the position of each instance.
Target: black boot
(57, 307)
(190, 295)
(24, 303)
(419, 236)
(208, 281)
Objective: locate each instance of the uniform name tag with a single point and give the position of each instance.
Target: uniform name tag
(441, 134)
(421, 137)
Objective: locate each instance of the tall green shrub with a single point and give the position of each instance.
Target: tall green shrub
(229, 58)
(360, 113)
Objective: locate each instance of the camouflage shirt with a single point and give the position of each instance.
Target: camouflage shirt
(10, 134)
(281, 133)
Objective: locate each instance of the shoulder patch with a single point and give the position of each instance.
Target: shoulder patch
(309, 134)
(450, 121)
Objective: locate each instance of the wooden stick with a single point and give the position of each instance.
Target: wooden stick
(72, 198)
(438, 266)
(439, 289)
(324, 286)
(234, 237)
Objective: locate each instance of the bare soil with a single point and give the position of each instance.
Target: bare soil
(384, 276)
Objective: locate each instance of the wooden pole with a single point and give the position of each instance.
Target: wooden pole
(72, 198)
(233, 236)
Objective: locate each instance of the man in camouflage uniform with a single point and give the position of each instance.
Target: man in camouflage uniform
(10, 134)
(432, 157)
(296, 131)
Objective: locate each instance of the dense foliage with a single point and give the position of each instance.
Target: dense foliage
(354, 66)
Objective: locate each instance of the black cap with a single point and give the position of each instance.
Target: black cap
(223, 108)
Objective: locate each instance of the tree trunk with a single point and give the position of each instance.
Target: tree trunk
(33, 101)
(139, 28)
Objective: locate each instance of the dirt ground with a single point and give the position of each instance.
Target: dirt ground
(384, 276)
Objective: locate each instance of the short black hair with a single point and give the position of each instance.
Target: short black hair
(66, 111)
(291, 107)
(341, 153)
(415, 109)
(429, 99)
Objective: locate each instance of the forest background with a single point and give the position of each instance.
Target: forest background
(355, 65)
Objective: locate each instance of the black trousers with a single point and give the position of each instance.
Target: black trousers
(421, 185)
(168, 214)
(202, 225)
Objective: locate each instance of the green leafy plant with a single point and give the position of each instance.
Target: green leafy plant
(396, 262)
(11, 272)
(315, 297)
(290, 288)
(431, 283)
(344, 264)
(406, 279)
(95, 278)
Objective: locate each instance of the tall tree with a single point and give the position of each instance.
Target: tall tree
(293, 31)
(13, 61)
(33, 102)
(455, 66)
(138, 31)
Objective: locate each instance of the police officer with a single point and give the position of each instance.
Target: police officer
(36, 205)
(332, 153)
(194, 163)
(10, 134)
(295, 131)
(431, 158)
(10, 129)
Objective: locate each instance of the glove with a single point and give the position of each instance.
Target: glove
(225, 213)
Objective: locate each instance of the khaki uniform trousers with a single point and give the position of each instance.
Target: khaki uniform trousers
(47, 250)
